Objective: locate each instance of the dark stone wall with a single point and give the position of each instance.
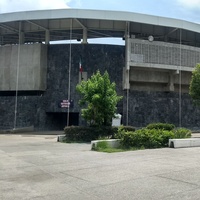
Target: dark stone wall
(149, 107)
(31, 111)
(94, 57)
(41, 108)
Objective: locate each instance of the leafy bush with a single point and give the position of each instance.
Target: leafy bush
(122, 129)
(86, 134)
(128, 128)
(147, 138)
(164, 126)
(194, 89)
(100, 96)
(182, 133)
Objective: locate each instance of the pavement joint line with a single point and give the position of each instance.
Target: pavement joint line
(160, 174)
(118, 182)
(177, 180)
(88, 193)
(21, 178)
(181, 192)
(97, 185)
(77, 177)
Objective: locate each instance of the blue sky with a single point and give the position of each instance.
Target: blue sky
(181, 9)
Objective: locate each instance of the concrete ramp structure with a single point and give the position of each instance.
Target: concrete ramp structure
(39, 66)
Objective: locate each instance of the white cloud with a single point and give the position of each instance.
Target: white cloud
(77, 3)
(25, 5)
(190, 4)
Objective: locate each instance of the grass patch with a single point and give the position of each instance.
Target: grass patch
(110, 150)
(104, 147)
(115, 150)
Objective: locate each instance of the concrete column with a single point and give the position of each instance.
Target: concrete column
(127, 58)
(126, 84)
(84, 36)
(21, 38)
(1, 40)
(127, 68)
(166, 38)
(171, 82)
(47, 37)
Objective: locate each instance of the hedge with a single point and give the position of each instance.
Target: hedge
(86, 134)
(154, 136)
(151, 137)
(164, 126)
(182, 133)
(147, 138)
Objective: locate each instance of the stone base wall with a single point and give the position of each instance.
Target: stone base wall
(148, 107)
(30, 111)
(41, 109)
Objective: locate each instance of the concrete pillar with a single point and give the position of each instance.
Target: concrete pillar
(21, 38)
(127, 68)
(126, 84)
(84, 36)
(166, 38)
(171, 82)
(21, 34)
(127, 58)
(47, 37)
(1, 40)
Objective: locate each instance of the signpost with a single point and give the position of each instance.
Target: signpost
(66, 103)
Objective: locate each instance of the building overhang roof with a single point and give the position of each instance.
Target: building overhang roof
(98, 23)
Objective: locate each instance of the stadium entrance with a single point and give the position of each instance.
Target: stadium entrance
(58, 120)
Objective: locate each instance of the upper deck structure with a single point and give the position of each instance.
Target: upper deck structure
(157, 48)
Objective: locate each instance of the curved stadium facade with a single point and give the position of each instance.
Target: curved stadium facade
(152, 70)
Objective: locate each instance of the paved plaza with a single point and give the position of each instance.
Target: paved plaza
(37, 167)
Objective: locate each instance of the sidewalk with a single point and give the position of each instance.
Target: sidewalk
(36, 167)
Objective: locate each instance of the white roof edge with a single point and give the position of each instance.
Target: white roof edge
(99, 15)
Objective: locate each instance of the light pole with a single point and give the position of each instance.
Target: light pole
(70, 66)
(180, 81)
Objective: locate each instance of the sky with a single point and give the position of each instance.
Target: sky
(180, 9)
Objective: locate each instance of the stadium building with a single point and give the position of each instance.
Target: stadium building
(39, 73)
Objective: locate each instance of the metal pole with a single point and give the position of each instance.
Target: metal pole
(180, 81)
(127, 43)
(70, 65)
(17, 78)
(127, 106)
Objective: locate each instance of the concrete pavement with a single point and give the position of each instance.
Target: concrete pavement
(36, 167)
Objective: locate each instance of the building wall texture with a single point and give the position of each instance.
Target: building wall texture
(29, 63)
(41, 108)
(143, 51)
(148, 107)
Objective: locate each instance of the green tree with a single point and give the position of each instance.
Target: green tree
(100, 96)
(194, 89)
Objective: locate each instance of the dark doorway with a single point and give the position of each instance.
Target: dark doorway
(58, 120)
